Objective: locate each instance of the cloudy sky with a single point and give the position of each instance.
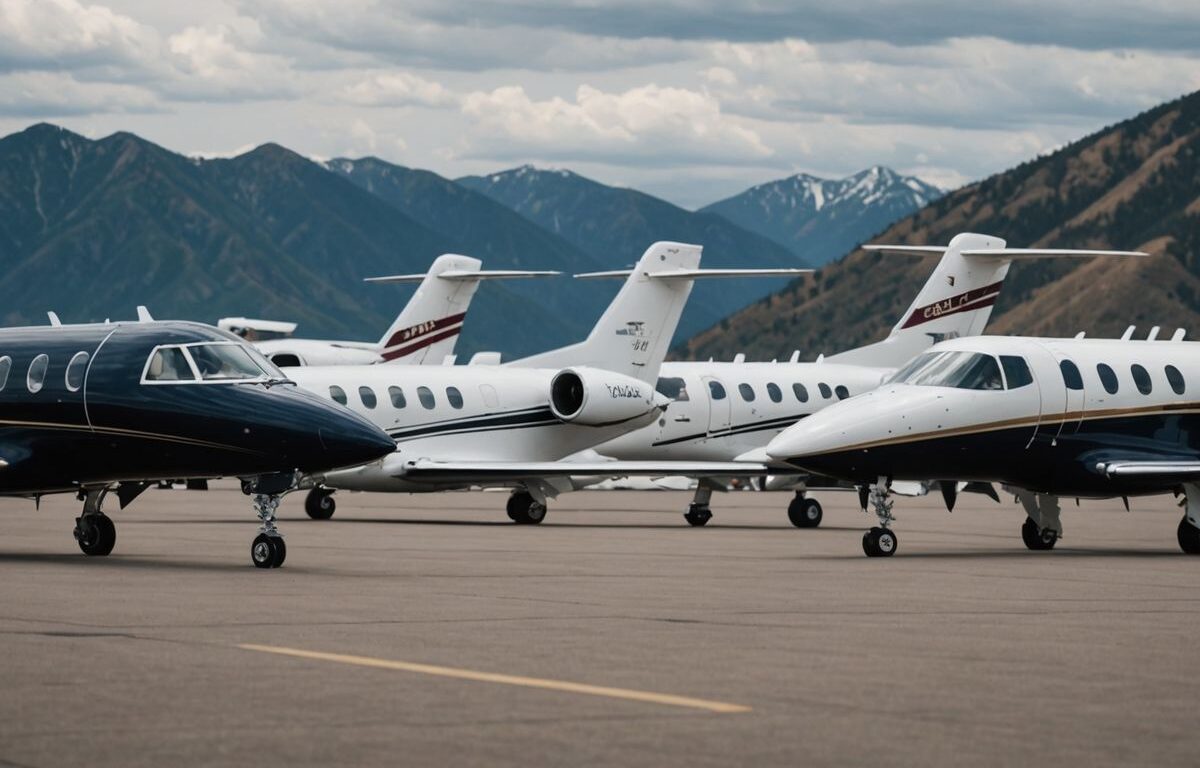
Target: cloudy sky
(692, 100)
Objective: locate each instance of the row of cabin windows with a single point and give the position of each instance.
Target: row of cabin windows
(1108, 378)
(775, 394)
(35, 375)
(367, 397)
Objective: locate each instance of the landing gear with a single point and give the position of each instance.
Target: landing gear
(319, 503)
(523, 509)
(1189, 527)
(1037, 538)
(268, 549)
(94, 530)
(1043, 524)
(805, 512)
(880, 541)
(699, 513)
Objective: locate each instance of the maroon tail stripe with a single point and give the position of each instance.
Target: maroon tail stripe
(963, 302)
(420, 344)
(414, 332)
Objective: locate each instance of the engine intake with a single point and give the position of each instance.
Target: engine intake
(598, 398)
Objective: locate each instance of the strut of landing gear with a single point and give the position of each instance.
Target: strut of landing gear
(523, 509)
(94, 530)
(804, 512)
(698, 513)
(319, 503)
(268, 549)
(1043, 524)
(880, 541)
(1189, 527)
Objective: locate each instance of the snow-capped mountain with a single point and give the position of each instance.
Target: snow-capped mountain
(822, 219)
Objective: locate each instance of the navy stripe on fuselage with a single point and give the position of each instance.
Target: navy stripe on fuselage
(528, 417)
(740, 429)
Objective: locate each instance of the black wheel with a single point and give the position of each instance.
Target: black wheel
(96, 534)
(1038, 539)
(1189, 537)
(880, 542)
(523, 509)
(804, 512)
(697, 515)
(267, 551)
(319, 504)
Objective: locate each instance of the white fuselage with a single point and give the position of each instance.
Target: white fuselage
(454, 414)
(722, 410)
(288, 353)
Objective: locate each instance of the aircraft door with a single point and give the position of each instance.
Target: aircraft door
(720, 415)
(1052, 393)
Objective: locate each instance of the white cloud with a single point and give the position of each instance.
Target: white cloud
(216, 63)
(399, 89)
(649, 122)
(65, 34)
(47, 95)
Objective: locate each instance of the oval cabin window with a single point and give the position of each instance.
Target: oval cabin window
(5, 367)
(37, 373)
(1108, 378)
(826, 392)
(367, 395)
(338, 394)
(454, 397)
(801, 392)
(1141, 379)
(774, 393)
(1175, 379)
(425, 395)
(396, 395)
(75, 370)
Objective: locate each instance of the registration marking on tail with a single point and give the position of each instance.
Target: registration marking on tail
(665, 699)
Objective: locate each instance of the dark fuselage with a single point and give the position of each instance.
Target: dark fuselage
(104, 423)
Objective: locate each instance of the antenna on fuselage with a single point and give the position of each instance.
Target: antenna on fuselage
(1128, 333)
(1153, 334)
(54, 321)
(144, 315)
(1081, 334)
(1179, 334)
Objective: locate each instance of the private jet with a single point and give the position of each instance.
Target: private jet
(1090, 418)
(90, 409)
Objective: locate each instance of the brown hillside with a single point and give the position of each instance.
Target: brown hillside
(1131, 186)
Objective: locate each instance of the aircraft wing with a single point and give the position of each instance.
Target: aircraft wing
(1149, 468)
(483, 471)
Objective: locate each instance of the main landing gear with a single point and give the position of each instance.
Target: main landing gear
(319, 503)
(699, 513)
(881, 540)
(804, 512)
(94, 530)
(523, 509)
(268, 549)
(1188, 532)
(1043, 526)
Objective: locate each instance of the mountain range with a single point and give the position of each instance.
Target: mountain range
(1131, 186)
(91, 228)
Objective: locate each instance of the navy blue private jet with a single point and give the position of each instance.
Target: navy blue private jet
(90, 409)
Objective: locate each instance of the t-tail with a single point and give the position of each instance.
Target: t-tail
(956, 300)
(427, 329)
(633, 334)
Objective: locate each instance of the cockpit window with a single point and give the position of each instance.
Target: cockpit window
(225, 362)
(962, 370)
(169, 364)
(1016, 371)
(674, 388)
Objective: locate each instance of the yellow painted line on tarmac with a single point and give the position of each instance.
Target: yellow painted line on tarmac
(492, 677)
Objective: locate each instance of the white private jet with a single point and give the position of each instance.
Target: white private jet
(458, 426)
(424, 332)
(728, 411)
(1091, 418)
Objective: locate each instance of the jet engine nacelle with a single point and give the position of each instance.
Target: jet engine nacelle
(598, 398)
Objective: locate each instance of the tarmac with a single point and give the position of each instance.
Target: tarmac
(429, 630)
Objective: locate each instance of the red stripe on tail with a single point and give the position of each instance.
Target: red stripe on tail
(963, 302)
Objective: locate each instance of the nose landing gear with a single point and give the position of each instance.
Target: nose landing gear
(268, 549)
(880, 541)
(94, 530)
(804, 512)
(319, 504)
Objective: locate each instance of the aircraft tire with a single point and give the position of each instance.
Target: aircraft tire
(319, 503)
(99, 537)
(1035, 538)
(880, 542)
(804, 512)
(267, 551)
(1189, 537)
(523, 509)
(698, 515)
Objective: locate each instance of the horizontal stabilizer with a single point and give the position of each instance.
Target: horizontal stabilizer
(461, 274)
(486, 471)
(1044, 253)
(920, 250)
(698, 274)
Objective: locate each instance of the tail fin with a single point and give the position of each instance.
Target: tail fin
(427, 329)
(956, 300)
(633, 334)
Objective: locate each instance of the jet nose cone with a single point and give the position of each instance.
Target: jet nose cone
(351, 442)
